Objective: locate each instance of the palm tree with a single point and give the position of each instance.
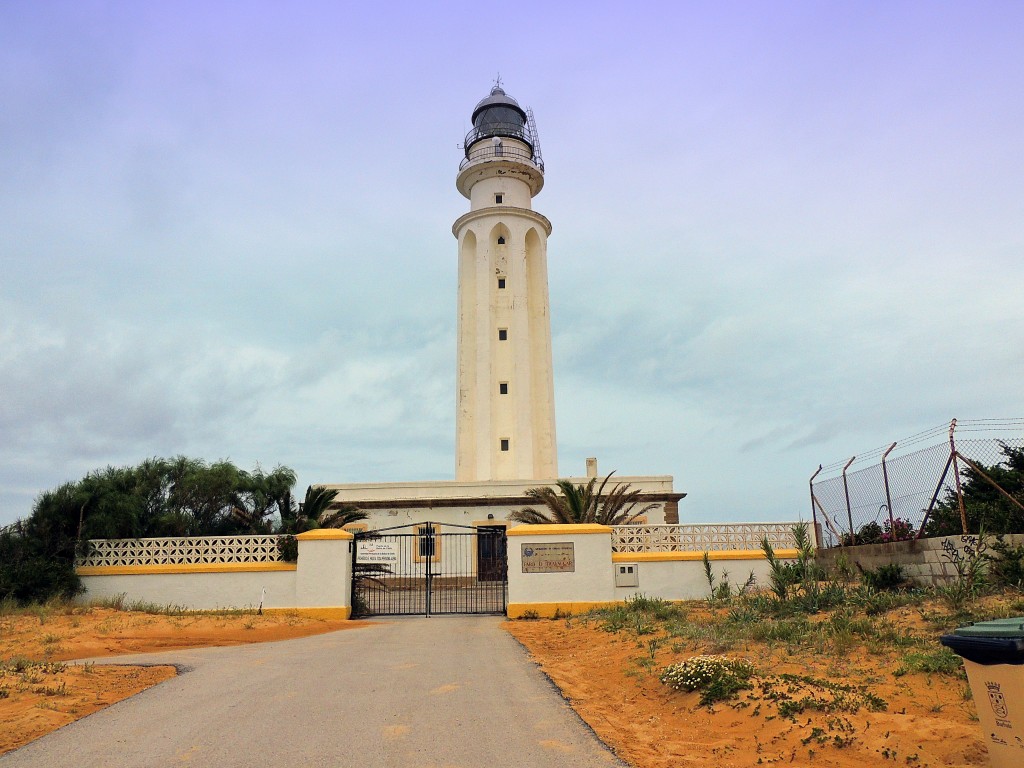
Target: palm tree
(580, 504)
(316, 511)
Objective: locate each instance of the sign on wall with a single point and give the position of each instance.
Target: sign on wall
(377, 551)
(549, 557)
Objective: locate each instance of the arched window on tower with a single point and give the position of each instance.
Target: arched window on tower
(500, 235)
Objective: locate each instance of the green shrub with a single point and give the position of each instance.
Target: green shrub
(36, 564)
(1007, 563)
(884, 578)
(870, 533)
(790, 631)
(939, 660)
(717, 678)
(782, 575)
(971, 564)
(288, 546)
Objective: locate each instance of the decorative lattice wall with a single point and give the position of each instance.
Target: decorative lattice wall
(701, 538)
(195, 550)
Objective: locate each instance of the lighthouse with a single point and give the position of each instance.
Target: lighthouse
(505, 405)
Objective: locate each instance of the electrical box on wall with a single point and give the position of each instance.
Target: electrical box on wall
(627, 575)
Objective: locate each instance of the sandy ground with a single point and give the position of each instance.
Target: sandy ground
(612, 681)
(41, 690)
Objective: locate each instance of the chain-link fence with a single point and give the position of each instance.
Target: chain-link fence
(915, 487)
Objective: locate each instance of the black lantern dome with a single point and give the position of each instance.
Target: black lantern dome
(499, 115)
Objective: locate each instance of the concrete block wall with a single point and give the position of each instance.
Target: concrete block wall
(923, 560)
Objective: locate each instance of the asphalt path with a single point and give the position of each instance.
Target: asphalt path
(443, 692)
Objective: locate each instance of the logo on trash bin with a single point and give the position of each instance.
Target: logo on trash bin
(997, 700)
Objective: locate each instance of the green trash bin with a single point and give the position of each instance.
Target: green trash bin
(993, 653)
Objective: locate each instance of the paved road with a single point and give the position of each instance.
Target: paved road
(443, 692)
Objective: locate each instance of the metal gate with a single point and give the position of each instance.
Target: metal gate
(430, 568)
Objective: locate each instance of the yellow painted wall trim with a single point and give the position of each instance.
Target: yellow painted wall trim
(548, 610)
(341, 612)
(325, 534)
(727, 554)
(134, 570)
(557, 530)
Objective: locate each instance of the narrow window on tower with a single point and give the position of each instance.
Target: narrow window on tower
(503, 388)
(497, 199)
(504, 443)
(501, 240)
(503, 334)
(501, 283)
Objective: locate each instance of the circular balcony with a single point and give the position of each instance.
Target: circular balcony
(501, 152)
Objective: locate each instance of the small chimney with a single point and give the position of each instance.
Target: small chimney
(592, 467)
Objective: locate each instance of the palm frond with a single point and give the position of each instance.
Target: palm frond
(572, 503)
(529, 516)
(339, 518)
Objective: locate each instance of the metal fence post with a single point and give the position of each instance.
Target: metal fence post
(814, 508)
(849, 511)
(431, 544)
(956, 474)
(888, 496)
(935, 497)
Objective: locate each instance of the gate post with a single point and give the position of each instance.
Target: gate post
(559, 569)
(323, 579)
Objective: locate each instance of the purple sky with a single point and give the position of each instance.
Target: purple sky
(783, 233)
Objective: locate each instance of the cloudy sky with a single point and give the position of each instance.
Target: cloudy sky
(783, 232)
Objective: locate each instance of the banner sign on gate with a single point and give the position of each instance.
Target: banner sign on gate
(553, 557)
(376, 551)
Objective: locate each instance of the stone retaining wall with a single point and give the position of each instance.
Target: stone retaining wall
(923, 560)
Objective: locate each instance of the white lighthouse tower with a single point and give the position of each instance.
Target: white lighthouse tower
(505, 418)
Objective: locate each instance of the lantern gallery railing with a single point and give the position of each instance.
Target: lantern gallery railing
(501, 152)
(701, 538)
(196, 550)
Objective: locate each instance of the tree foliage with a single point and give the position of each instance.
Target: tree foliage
(985, 507)
(159, 497)
(582, 504)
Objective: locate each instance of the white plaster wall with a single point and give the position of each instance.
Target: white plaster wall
(198, 591)
(591, 581)
(324, 576)
(398, 513)
(515, 192)
(322, 579)
(470, 489)
(685, 579)
(469, 515)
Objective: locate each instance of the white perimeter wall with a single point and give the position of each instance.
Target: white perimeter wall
(684, 579)
(665, 575)
(197, 591)
(319, 583)
(321, 580)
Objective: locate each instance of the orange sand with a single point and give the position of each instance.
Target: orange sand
(612, 681)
